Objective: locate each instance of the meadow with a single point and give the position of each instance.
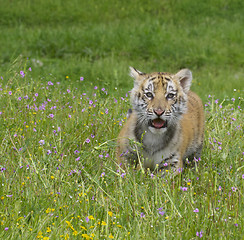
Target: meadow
(64, 92)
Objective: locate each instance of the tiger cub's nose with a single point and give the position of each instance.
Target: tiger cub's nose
(158, 111)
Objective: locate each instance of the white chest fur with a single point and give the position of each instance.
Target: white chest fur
(157, 151)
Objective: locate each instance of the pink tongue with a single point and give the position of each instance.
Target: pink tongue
(158, 123)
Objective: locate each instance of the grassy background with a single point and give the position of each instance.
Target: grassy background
(99, 39)
(59, 178)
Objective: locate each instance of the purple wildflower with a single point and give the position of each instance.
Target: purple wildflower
(196, 210)
(123, 175)
(196, 160)
(161, 213)
(103, 174)
(180, 171)
(22, 74)
(42, 142)
(184, 189)
(199, 234)
(49, 152)
(87, 140)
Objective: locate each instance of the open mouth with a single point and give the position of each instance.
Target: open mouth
(158, 123)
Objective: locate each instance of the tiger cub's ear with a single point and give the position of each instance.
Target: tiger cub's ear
(184, 76)
(137, 75)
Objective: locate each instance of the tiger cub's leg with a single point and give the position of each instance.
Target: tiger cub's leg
(174, 162)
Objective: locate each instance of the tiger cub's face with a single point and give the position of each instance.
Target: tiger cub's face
(160, 98)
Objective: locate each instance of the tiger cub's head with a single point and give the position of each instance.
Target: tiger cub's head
(160, 98)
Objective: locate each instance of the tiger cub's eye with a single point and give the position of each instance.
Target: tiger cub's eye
(149, 95)
(170, 96)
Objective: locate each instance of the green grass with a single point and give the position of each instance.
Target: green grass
(57, 184)
(99, 39)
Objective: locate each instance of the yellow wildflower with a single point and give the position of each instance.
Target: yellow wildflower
(110, 213)
(39, 235)
(87, 237)
(69, 223)
(82, 227)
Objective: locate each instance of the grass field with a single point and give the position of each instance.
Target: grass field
(64, 96)
(99, 39)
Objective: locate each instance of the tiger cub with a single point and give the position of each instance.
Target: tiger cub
(166, 125)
